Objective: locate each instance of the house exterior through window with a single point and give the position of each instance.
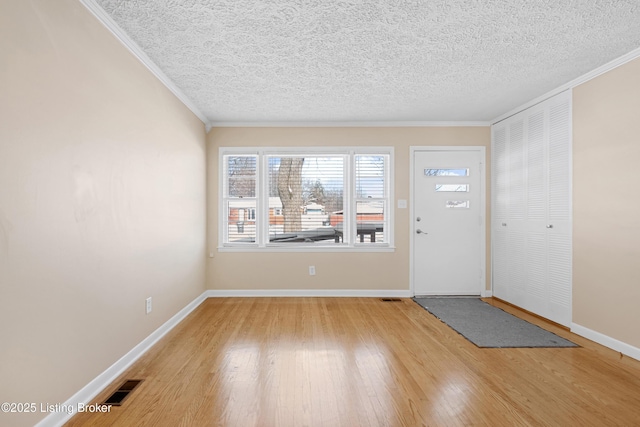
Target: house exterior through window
(313, 198)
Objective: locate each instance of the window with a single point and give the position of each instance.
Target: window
(452, 187)
(305, 198)
(447, 172)
(457, 204)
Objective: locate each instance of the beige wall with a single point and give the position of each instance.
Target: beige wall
(606, 232)
(341, 271)
(102, 202)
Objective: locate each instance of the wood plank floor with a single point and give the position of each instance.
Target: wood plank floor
(363, 362)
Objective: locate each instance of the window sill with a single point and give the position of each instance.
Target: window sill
(328, 249)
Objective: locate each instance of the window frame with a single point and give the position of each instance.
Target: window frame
(262, 244)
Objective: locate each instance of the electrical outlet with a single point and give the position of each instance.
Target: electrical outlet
(312, 270)
(149, 306)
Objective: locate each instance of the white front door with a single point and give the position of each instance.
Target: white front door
(448, 222)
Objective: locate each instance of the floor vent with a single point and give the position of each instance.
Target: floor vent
(390, 299)
(122, 393)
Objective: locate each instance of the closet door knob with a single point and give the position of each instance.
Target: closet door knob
(550, 226)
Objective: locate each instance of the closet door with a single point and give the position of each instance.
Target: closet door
(537, 233)
(516, 224)
(499, 210)
(532, 209)
(559, 210)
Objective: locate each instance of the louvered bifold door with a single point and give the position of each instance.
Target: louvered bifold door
(499, 212)
(516, 225)
(559, 212)
(537, 239)
(531, 236)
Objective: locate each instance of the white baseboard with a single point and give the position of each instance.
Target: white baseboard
(215, 293)
(606, 341)
(88, 392)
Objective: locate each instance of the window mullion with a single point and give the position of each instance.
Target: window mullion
(350, 215)
(262, 221)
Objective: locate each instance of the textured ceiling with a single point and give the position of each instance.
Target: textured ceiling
(358, 60)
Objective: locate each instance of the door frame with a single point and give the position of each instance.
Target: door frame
(482, 150)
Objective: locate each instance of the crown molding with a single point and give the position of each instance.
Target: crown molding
(634, 54)
(133, 47)
(347, 124)
(122, 36)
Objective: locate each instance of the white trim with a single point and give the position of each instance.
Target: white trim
(302, 248)
(491, 210)
(486, 293)
(572, 84)
(349, 154)
(448, 294)
(328, 293)
(606, 341)
(483, 207)
(350, 124)
(133, 47)
(103, 380)
(112, 26)
(415, 148)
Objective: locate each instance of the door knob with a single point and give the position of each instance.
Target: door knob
(418, 231)
(418, 219)
(550, 226)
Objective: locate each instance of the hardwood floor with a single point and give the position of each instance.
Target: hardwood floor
(363, 362)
